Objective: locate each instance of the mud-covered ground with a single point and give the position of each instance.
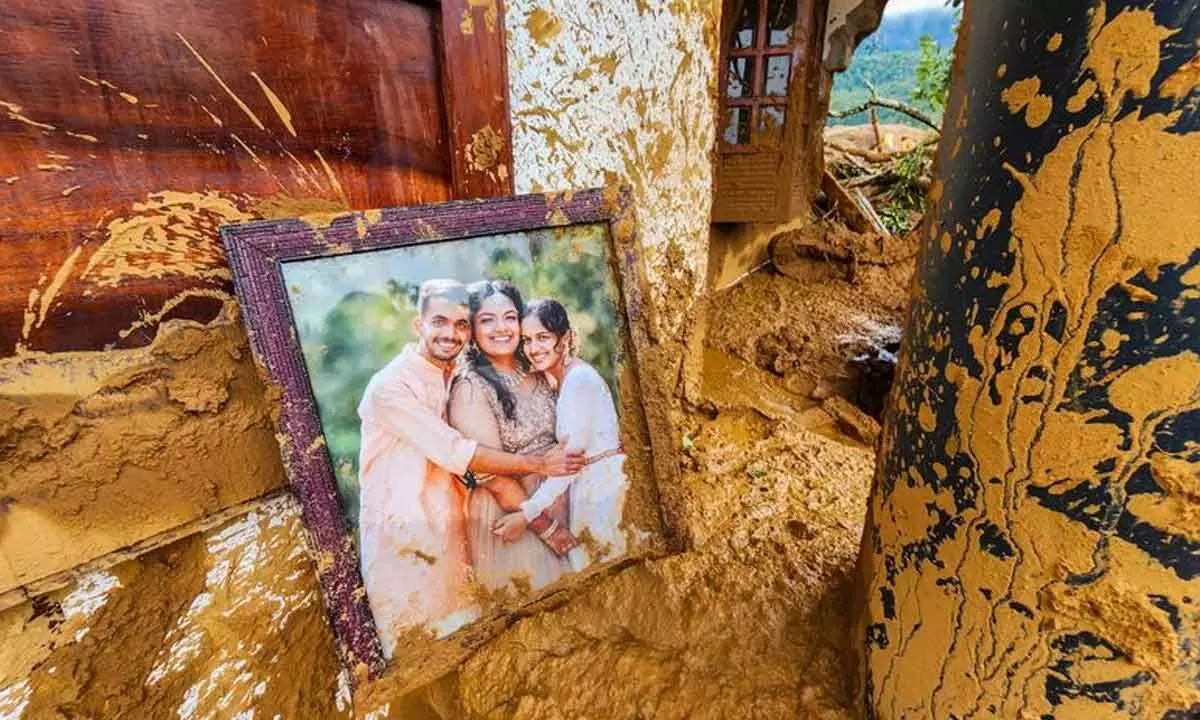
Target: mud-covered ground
(752, 622)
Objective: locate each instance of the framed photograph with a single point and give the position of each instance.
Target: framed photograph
(462, 419)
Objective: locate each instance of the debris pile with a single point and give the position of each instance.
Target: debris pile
(877, 176)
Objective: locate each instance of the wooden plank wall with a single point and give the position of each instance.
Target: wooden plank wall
(130, 130)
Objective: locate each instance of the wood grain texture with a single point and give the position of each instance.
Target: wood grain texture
(746, 187)
(476, 92)
(130, 131)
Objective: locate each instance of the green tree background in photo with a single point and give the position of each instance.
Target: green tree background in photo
(353, 314)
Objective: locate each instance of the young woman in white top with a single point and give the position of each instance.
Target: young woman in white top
(587, 420)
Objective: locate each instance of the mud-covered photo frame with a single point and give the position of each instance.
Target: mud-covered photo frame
(263, 254)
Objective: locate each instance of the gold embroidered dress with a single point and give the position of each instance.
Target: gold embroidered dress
(476, 411)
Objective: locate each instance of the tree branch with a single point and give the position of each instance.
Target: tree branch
(889, 104)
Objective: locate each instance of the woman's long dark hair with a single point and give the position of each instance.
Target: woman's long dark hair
(477, 292)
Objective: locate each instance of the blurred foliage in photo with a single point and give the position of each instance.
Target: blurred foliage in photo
(354, 314)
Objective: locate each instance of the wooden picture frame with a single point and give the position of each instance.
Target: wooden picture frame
(258, 252)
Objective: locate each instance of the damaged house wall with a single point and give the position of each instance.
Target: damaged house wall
(740, 248)
(102, 448)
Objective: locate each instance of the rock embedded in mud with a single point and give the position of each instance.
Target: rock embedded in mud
(782, 351)
(852, 420)
(876, 371)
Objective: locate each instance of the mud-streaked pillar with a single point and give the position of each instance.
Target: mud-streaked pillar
(1033, 548)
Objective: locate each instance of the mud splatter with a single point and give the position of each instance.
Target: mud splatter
(542, 26)
(15, 112)
(258, 161)
(332, 177)
(169, 233)
(1023, 533)
(51, 292)
(285, 115)
(1025, 95)
(220, 81)
(484, 150)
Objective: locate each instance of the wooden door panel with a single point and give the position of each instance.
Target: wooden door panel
(130, 130)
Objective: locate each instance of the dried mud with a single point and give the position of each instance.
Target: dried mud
(750, 620)
(99, 450)
(805, 333)
(206, 627)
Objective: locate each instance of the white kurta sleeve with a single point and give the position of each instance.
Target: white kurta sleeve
(397, 408)
(573, 426)
(576, 399)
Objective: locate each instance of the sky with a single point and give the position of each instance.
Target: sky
(899, 7)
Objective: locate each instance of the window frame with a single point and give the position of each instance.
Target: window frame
(770, 182)
(758, 53)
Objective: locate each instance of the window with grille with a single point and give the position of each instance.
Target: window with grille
(758, 67)
(770, 83)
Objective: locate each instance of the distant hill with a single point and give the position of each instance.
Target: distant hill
(888, 60)
(903, 32)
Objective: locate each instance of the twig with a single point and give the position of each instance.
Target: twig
(871, 179)
(868, 155)
(874, 116)
(889, 104)
(868, 211)
(862, 166)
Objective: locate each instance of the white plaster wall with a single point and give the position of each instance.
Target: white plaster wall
(622, 90)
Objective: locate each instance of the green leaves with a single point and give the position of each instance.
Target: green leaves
(932, 75)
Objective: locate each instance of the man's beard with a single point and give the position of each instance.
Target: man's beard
(445, 352)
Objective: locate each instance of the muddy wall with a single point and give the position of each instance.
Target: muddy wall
(173, 441)
(1032, 548)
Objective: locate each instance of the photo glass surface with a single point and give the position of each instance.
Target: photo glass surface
(517, 344)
